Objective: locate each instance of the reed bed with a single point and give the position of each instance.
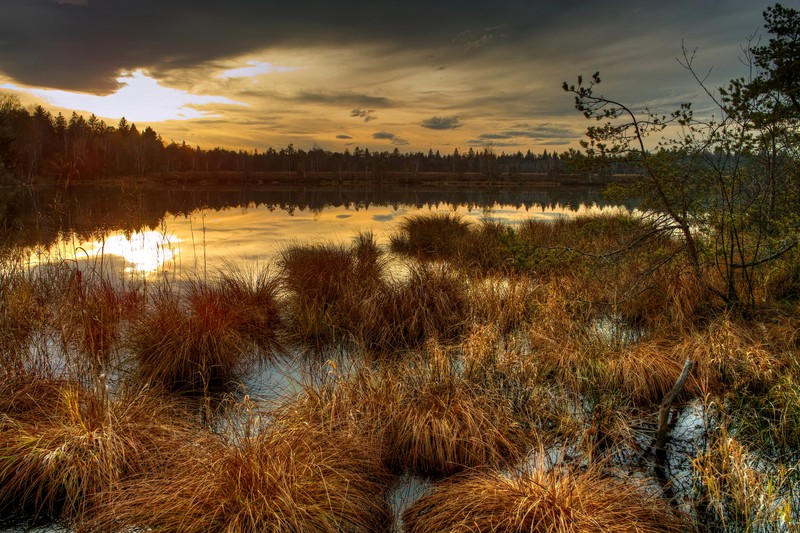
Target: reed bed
(297, 478)
(540, 499)
(481, 341)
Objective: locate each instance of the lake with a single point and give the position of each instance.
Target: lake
(146, 231)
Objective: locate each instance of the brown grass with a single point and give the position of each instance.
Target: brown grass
(325, 284)
(255, 298)
(431, 236)
(540, 500)
(505, 302)
(62, 447)
(193, 346)
(296, 478)
(23, 311)
(440, 424)
(432, 302)
(92, 315)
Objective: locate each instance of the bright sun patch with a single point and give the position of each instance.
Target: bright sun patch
(143, 252)
(139, 99)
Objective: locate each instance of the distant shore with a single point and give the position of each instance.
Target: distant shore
(328, 178)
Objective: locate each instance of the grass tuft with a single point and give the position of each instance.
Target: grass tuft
(295, 478)
(540, 500)
(440, 424)
(64, 447)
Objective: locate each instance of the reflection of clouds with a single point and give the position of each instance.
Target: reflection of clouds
(384, 218)
(344, 216)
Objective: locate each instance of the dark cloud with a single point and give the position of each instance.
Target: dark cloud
(366, 114)
(343, 99)
(543, 133)
(386, 136)
(83, 45)
(442, 123)
(342, 136)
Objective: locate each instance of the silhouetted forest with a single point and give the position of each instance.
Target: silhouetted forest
(35, 143)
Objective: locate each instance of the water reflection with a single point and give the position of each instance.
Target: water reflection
(147, 231)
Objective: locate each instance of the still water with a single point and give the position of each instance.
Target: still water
(145, 232)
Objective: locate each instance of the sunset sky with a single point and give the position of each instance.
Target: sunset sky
(414, 75)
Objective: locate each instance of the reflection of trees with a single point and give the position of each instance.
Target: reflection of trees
(37, 216)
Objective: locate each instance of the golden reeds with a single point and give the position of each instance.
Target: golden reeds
(440, 424)
(296, 478)
(63, 447)
(540, 499)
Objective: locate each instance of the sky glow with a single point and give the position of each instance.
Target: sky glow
(441, 74)
(140, 98)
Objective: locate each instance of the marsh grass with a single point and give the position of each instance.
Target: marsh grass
(325, 284)
(739, 489)
(480, 341)
(540, 499)
(297, 478)
(505, 302)
(91, 318)
(64, 447)
(431, 302)
(440, 424)
(255, 295)
(196, 345)
(438, 236)
(23, 311)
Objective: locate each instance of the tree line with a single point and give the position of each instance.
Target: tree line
(36, 143)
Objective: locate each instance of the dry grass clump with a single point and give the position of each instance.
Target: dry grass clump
(294, 478)
(441, 424)
(193, 346)
(92, 314)
(538, 499)
(255, 297)
(505, 302)
(491, 247)
(326, 284)
(23, 310)
(734, 355)
(739, 490)
(63, 447)
(503, 364)
(432, 302)
(431, 236)
(643, 372)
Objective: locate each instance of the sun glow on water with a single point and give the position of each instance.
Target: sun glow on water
(144, 252)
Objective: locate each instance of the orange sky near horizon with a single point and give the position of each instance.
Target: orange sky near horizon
(440, 75)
